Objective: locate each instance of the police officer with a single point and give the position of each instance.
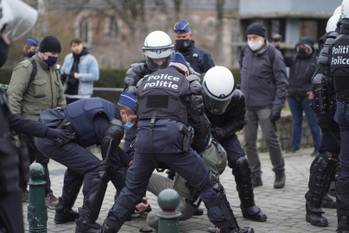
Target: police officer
(164, 137)
(339, 71)
(157, 50)
(323, 168)
(92, 121)
(225, 108)
(199, 59)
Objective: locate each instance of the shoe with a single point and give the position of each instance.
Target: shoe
(254, 213)
(256, 181)
(83, 227)
(328, 203)
(280, 180)
(65, 215)
(51, 201)
(316, 219)
(198, 211)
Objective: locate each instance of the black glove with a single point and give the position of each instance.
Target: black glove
(275, 113)
(218, 133)
(59, 135)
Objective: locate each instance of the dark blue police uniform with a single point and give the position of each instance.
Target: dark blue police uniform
(90, 120)
(224, 127)
(164, 137)
(339, 73)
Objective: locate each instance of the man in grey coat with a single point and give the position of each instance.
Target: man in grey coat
(264, 84)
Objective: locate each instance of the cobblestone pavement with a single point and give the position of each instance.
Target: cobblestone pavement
(285, 207)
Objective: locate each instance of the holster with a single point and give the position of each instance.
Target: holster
(188, 134)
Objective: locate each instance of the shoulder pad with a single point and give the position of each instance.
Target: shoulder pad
(237, 94)
(137, 68)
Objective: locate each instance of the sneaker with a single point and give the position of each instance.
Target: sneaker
(51, 201)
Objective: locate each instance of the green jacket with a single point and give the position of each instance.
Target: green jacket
(44, 92)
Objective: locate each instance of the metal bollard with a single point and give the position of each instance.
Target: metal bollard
(37, 211)
(168, 201)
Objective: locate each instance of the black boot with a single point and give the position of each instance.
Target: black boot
(321, 171)
(64, 213)
(280, 179)
(242, 174)
(315, 218)
(84, 225)
(111, 226)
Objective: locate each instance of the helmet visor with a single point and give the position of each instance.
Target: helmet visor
(214, 105)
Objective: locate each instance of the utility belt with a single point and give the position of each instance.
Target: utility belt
(343, 97)
(186, 131)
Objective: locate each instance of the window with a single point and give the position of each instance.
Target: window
(112, 27)
(84, 30)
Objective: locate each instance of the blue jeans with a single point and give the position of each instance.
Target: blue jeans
(297, 106)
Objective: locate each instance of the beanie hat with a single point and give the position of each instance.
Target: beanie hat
(50, 44)
(177, 57)
(129, 100)
(256, 29)
(32, 42)
(179, 61)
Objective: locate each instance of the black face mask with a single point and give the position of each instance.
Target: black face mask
(3, 52)
(30, 54)
(50, 61)
(183, 45)
(301, 52)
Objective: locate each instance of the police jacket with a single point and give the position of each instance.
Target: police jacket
(30, 97)
(233, 119)
(81, 115)
(301, 73)
(163, 95)
(263, 77)
(340, 62)
(199, 59)
(136, 72)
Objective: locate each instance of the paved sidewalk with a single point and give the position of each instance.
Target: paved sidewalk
(285, 207)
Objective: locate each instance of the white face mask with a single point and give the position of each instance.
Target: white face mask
(255, 45)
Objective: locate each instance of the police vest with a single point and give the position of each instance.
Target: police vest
(82, 113)
(162, 95)
(9, 159)
(340, 67)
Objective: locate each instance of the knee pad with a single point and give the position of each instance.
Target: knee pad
(242, 167)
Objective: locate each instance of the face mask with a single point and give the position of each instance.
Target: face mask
(50, 61)
(183, 45)
(30, 54)
(255, 45)
(128, 125)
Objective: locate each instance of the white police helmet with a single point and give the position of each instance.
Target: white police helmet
(17, 18)
(157, 49)
(345, 9)
(218, 86)
(332, 22)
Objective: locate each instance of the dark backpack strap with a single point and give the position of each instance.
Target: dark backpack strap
(34, 71)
